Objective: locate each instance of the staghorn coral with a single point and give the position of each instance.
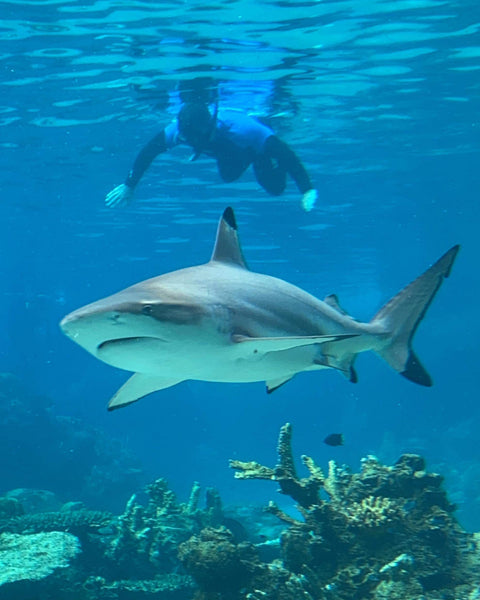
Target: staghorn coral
(304, 491)
(147, 537)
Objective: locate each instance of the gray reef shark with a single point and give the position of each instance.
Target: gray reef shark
(222, 322)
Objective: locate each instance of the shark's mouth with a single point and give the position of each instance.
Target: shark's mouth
(139, 353)
(127, 342)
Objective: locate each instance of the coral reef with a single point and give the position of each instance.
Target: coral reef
(388, 531)
(384, 533)
(130, 556)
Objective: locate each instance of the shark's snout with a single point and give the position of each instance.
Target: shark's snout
(73, 322)
(67, 324)
(90, 326)
(79, 317)
(110, 330)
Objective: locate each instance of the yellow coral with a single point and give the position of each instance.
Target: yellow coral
(372, 512)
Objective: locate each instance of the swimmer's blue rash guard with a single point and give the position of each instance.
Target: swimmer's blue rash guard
(238, 141)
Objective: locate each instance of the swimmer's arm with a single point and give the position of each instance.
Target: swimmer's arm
(282, 152)
(144, 159)
(286, 157)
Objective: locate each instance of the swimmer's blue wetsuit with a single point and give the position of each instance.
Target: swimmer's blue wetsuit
(238, 141)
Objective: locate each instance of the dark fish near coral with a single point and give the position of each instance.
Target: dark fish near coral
(239, 532)
(334, 439)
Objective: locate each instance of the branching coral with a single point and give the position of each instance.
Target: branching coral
(304, 491)
(373, 512)
(147, 537)
(355, 536)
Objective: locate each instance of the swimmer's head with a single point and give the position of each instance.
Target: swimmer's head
(196, 126)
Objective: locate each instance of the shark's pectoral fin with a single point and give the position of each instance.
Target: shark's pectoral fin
(276, 344)
(274, 384)
(138, 386)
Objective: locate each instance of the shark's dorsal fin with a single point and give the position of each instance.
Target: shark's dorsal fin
(227, 245)
(332, 300)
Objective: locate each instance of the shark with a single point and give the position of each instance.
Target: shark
(222, 322)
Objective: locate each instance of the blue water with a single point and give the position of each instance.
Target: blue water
(381, 101)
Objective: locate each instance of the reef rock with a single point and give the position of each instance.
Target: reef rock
(216, 562)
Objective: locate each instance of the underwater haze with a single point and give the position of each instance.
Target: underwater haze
(380, 99)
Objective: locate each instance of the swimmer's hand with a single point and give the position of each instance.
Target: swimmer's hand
(309, 199)
(119, 196)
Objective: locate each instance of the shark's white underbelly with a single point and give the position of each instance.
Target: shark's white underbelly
(222, 362)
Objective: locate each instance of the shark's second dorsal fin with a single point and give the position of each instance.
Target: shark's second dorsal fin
(227, 245)
(332, 300)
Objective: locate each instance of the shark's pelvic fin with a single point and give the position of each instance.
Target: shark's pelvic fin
(138, 386)
(345, 365)
(402, 314)
(276, 344)
(227, 247)
(274, 384)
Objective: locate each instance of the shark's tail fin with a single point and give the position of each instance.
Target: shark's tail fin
(403, 313)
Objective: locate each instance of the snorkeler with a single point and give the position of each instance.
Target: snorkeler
(235, 140)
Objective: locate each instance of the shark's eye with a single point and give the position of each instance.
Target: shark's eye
(147, 309)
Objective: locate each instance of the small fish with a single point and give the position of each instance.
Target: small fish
(334, 439)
